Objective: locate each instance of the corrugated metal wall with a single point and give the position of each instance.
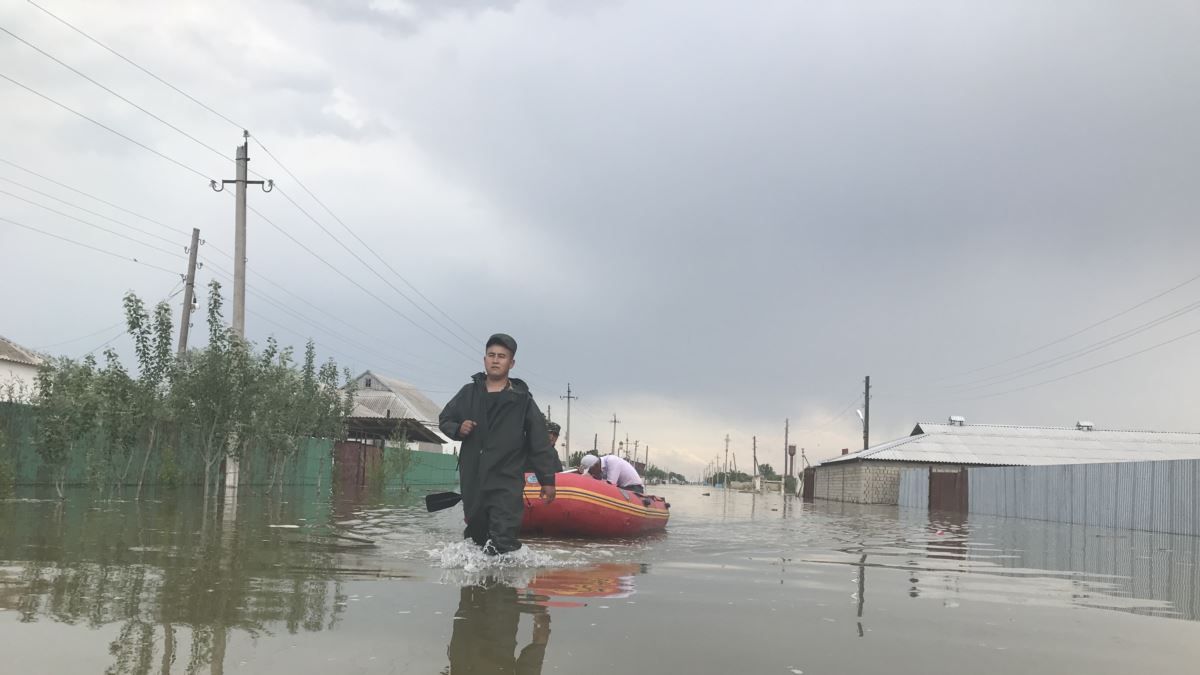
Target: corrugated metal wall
(914, 488)
(1155, 496)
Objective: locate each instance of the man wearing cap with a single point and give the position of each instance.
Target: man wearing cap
(501, 428)
(614, 470)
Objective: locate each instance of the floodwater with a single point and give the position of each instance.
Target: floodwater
(306, 583)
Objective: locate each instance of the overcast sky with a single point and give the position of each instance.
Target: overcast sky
(708, 217)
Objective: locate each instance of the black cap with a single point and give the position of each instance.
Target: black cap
(504, 340)
(553, 427)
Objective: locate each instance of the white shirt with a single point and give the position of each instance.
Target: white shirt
(618, 471)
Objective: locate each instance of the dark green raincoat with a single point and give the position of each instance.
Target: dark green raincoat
(493, 457)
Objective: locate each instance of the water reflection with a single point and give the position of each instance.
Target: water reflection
(484, 639)
(176, 578)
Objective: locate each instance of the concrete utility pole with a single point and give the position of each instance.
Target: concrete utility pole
(726, 461)
(595, 440)
(615, 422)
(754, 456)
(569, 398)
(635, 449)
(239, 232)
(867, 413)
(232, 470)
(189, 289)
(626, 446)
(783, 484)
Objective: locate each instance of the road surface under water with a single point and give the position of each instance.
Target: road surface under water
(308, 583)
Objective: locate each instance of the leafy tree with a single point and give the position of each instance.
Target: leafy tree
(66, 402)
(767, 472)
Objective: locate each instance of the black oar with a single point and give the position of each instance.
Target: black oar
(441, 500)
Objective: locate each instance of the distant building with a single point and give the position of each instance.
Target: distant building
(872, 476)
(386, 408)
(18, 371)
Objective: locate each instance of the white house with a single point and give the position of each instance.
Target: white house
(18, 371)
(384, 406)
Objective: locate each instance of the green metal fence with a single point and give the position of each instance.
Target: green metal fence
(94, 461)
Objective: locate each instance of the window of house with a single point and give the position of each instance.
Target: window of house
(368, 383)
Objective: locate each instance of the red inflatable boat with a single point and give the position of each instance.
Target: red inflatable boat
(587, 507)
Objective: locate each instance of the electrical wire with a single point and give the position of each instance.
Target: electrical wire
(89, 224)
(105, 127)
(133, 63)
(111, 91)
(88, 211)
(87, 246)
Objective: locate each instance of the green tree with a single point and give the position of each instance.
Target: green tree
(767, 472)
(153, 337)
(66, 402)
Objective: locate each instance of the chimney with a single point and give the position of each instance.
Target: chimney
(1083, 425)
(845, 451)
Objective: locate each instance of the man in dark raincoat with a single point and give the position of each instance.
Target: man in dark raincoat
(484, 635)
(501, 428)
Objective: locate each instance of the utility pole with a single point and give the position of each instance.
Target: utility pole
(596, 439)
(754, 460)
(569, 398)
(189, 289)
(239, 232)
(548, 417)
(726, 461)
(867, 413)
(783, 481)
(635, 449)
(615, 422)
(626, 446)
(232, 471)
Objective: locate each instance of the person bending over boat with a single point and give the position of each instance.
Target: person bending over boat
(614, 470)
(501, 429)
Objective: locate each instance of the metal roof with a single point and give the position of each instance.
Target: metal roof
(1002, 445)
(11, 351)
(391, 397)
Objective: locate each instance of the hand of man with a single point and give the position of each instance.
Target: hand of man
(547, 493)
(466, 428)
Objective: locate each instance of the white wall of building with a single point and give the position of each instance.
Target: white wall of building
(18, 381)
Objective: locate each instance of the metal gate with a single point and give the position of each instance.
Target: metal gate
(948, 491)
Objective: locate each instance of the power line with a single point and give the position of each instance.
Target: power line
(372, 268)
(356, 284)
(1082, 351)
(88, 246)
(110, 91)
(89, 224)
(175, 290)
(89, 211)
(298, 315)
(269, 153)
(134, 64)
(106, 329)
(105, 127)
(388, 360)
(90, 196)
(1085, 329)
(1091, 368)
(360, 240)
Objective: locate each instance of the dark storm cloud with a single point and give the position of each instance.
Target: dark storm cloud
(712, 219)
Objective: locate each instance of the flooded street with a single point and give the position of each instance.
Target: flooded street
(739, 583)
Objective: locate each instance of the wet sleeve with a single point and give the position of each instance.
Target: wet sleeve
(537, 445)
(452, 416)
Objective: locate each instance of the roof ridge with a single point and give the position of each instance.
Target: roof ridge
(1051, 428)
